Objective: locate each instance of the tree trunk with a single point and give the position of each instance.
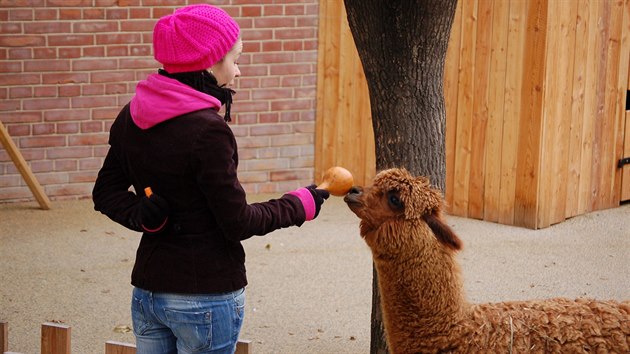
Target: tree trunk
(402, 46)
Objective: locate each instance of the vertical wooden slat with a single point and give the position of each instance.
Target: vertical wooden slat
(343, 108)
(526, 203)
(621, 56)
(556, 113)
(112, 347)
(55, 338)
(4, 337)
(581, 53)
(496, 94)
(327, 83)
(592, 60)
(480, 109)
(451, 79)
(464, 116)
(600, 119)
(511, 113)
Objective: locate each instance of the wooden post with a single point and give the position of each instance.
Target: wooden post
(4, 337)
(55, 338)
(112, 347)
(25, 171)
(243, 347)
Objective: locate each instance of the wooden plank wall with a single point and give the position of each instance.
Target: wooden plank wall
(535, 94)
(343, 130)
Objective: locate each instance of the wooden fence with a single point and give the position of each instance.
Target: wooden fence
(56, 339)
(535, 96)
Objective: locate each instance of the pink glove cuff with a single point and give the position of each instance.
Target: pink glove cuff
(307, 202)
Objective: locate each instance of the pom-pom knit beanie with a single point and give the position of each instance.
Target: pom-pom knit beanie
(193, 38)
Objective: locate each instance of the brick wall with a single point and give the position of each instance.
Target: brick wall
(68, 66)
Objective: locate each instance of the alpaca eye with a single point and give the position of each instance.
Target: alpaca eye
(395, 202)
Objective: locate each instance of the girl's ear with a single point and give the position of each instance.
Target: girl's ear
(442, 232)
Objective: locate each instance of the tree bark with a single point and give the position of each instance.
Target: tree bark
(402, 45)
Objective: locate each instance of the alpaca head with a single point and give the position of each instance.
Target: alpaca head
(400, 212)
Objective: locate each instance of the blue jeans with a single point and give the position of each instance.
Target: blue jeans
(166, 323)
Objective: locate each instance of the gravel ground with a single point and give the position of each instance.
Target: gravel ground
(310, 287)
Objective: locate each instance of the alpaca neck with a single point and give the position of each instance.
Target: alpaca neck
(421, 297)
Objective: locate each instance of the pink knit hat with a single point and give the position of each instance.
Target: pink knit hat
(193, 38)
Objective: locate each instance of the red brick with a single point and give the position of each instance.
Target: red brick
(45, 103)
(41, 166)
(45, 91)
(295, 104)
(19, 130)
(90, 102)
(295, 33)
(45, 53)
(292, 69)
(118, 38)
(137, 26)
(138, 12)
(93, 64)
(69, 90)
(257, 34)
(46, 65)
(67, 128)
(68, 153)
(43, 129)
(82, 177)
(92, 163)
(65, 78)
(69, 14)
(272, 94)
(20, 92)
(289, 175)
(65, 165)
(251, 11)
(10, 105)
(42, 27)
(113, 76)
(270, 129)
(93, 90)
(116, 14)
(21, 41)
(97, 52)
(274, 22)
(92, 127)
(20, 117)
(42, 141)
(88, 139)
(273, 10)
(93, 14)
(45, 14)
(94, 27)
(20, 15)
(71, 40)
(66, 115)
(7, 28)
(20, 53)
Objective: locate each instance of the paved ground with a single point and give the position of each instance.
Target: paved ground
(310, 287)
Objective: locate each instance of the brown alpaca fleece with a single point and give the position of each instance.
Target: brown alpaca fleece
(422, 298)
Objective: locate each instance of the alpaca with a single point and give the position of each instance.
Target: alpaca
(422, 297)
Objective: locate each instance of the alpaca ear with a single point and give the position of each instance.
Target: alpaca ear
(442, 232)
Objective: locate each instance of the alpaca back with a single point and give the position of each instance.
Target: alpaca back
(546, 326)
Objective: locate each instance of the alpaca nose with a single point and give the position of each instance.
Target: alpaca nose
(355, 190)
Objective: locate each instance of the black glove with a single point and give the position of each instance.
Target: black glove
(154, 212)
(319, 195)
